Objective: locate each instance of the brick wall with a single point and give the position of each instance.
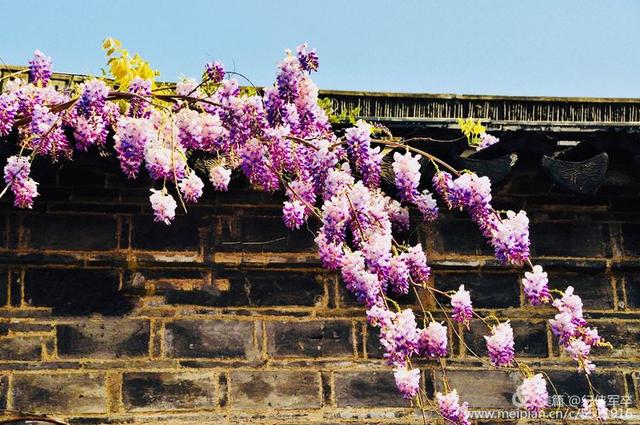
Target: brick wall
(227, 318)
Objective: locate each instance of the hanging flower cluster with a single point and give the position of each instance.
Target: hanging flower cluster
(280, 138)
(533, 392)
(572, 330)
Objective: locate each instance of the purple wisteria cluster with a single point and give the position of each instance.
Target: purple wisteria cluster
(572, 330)
(507, 233)
(533, 393)
(280, 138)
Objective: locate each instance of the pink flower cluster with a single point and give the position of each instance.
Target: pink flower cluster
(432, 340)
(16, 176)
(508, 235)
(486, 140)
(533, 393)
(462, 308)
(536, 286)
(368, 160)
(451, 410)
(407, 381)
(406, 169)
(164, 206)
(597, 406)
(500, 345)
(572, 331)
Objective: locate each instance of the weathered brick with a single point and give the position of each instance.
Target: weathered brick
(624, 336)
(76, 291)
(210, 338)
(117, 338)
(16, 282)
(4, 231)
(374, 350)
(367, 389)
(632, 288)
(482, 388)
(631, 239)
(86, 170)
(594, 288)
(634, 389)
(69, 232)
(21, 348)
(256, 289)
(260, 233)
(4, 286)
(182, 235)
(223, 390)
(4, 389)
(455, 237)
(570, 239)
(317, 338)
(69, 393)
(530, 338)
(488, 290)
(572, 384)
(280, 389)
(157, 391)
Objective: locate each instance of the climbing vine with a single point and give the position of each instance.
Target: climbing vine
(281, 138)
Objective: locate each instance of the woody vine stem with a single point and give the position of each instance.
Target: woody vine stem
(281, 137)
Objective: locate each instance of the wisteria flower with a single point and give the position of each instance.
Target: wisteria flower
(46, 134)
(16, 176)
(191, 187)
(368, 160)
(220, 177)
(187, 87)
(443, 185)
(451, 409)
(8, 111)
(417, 262)
(536, 286)
(432, 341)
(380, 316)
(406, 169)
(164, 206)
(563, 326)
(337, 181)
(400, 338)
(293, 214)
(163, 162)
(331, 253)
(362, 283)
(427, 206)
(40, 69)
(500, 345)
(139, 105)
(533, 393)
(214, 71)
(597, 406)
(308, 58)
(570, 304)
(398, 214)
(510, 238)
(399, 274)
(132, 135)
(407, 381)
(462, 308)
(486, 140)
(94, 93)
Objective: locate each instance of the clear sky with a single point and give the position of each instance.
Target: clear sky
(513, 47)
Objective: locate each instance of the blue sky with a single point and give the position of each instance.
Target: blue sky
(512, 47)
